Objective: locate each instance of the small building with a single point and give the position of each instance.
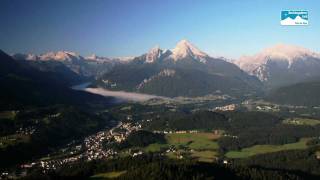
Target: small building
(225, 162)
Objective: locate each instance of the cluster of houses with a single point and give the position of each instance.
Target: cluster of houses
(92, 148)
(109, 83)
(230, 107)
(4, 175)
(267, 108)
(26, 131)
(48, 165)
(318, 155)
(94, 145)
(53, 164)
(232, 136)
(176, 132)
(122, 131)
(54, 115)
(293, 121)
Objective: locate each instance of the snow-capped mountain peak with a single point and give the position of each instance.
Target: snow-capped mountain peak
(185, 49)
(92, 57)
(281, 58)
(288, 52)
(280, 52)
(30, 57)
(124, 59)
(153, 54)
(96, 58)
(60, 56)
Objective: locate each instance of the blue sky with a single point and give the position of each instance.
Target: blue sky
(131, 27)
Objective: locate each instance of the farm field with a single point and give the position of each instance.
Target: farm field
(155, 147)
(108, 175)
(202, 146)
(13, 139)
(205, 156)
(7, 114)
(262, 149)
(302, 121)
(196, 141)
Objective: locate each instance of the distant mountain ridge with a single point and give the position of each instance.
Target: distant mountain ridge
(282, 65)
(91, 66)
(274, 67)
(27, 85)
(66, 56)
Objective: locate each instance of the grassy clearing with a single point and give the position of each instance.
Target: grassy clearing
(155, 147)
(108, 175)
(262, 149)
(201, 146)
(318, 154)
(7, 114)
(13, 139)
(196, 141)
(301, 121)
(204, 156)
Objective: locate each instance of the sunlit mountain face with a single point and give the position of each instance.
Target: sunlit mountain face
(183, 71)
(91, 66)
(282, 65)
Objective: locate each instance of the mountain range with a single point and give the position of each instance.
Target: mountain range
(184, 70)
(91, 66)
(24, 85)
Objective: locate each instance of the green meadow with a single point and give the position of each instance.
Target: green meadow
(302, 121)
(7, 114)
(108, 175)
(202, 146)
(262, 149)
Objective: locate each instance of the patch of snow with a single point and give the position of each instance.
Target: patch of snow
(280, 55)
(279, 52)
(124, 59)
(31, 57)
(163, 73)
(153, 54)
(185, 49)
(94, 57)
(60, 56)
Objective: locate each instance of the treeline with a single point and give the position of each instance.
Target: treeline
(151, 166)
(204, 120)
(143, 138)
(298, 161)
(243, 129)
(302, 94)
(273, 132)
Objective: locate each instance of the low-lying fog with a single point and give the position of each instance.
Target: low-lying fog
(120, 95)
